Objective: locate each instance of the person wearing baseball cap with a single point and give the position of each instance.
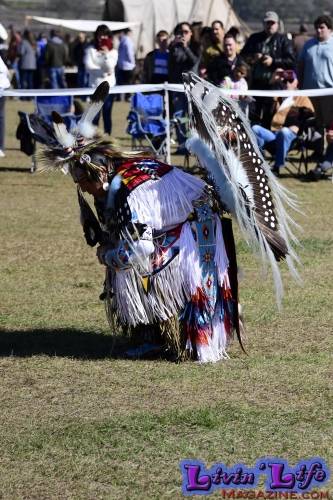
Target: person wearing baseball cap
(265, 52)
(271, 16)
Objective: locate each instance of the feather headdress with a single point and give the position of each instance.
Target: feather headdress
(85, 126)
(80, 145)
(83, 146)
(226, 147)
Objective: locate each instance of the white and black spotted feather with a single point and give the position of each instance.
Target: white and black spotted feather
(225, 145)
(85, 126)
(64, 137)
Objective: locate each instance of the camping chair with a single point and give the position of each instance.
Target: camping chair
(298, 155)
(62, 104)
(34, 126)
(307, 140)
(146, 122)
(180, 126)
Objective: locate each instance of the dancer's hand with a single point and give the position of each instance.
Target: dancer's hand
(100, 252)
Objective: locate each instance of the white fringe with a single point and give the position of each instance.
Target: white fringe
(142, 249)
(189, 260)
(217, 344)
(166, 298)
(167, 201)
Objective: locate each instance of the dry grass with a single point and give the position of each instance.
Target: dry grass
(79, 424)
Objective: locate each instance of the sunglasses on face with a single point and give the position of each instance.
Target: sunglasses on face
(288, 76)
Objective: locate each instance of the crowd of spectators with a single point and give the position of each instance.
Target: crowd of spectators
(266, 60)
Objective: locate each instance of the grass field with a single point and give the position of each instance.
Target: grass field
(77, 423)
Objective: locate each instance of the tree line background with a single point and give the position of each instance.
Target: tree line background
(290, 11)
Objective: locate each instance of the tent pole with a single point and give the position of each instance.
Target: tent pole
(167, 119)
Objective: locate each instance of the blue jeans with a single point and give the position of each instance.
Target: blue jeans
(327, 162)
(107, 112)
(282, 140)
(82, 80)
(57, 78)
(82, 77)
(329, 153)
(15, 67)
(27, 78)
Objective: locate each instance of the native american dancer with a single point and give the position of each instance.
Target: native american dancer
(162, 232)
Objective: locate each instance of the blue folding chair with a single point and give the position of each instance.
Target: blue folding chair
(146, 122)
(62, 104)
(37, 128)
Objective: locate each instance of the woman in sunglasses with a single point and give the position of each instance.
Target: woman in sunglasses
(100, 62)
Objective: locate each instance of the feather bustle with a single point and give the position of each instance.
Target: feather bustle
(257, 198)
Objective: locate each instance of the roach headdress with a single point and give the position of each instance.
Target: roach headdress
(82, 146)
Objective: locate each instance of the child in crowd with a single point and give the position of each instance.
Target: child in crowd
(237, 81)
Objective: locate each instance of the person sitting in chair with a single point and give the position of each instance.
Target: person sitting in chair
(287, 121)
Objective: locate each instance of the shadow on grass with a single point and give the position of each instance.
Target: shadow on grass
(22, 170)
(310, 180)
(62, 342)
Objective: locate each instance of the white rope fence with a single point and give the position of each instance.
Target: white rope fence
(166, 88)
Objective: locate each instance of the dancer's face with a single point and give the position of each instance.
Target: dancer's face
(88, 185)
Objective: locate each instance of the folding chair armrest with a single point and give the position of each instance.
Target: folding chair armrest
(181, 120)
(71, 115)
(149, 119)
(157, 118)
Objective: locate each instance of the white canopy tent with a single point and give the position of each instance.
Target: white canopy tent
(155, 15)
(83, 24)
(147, 17)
